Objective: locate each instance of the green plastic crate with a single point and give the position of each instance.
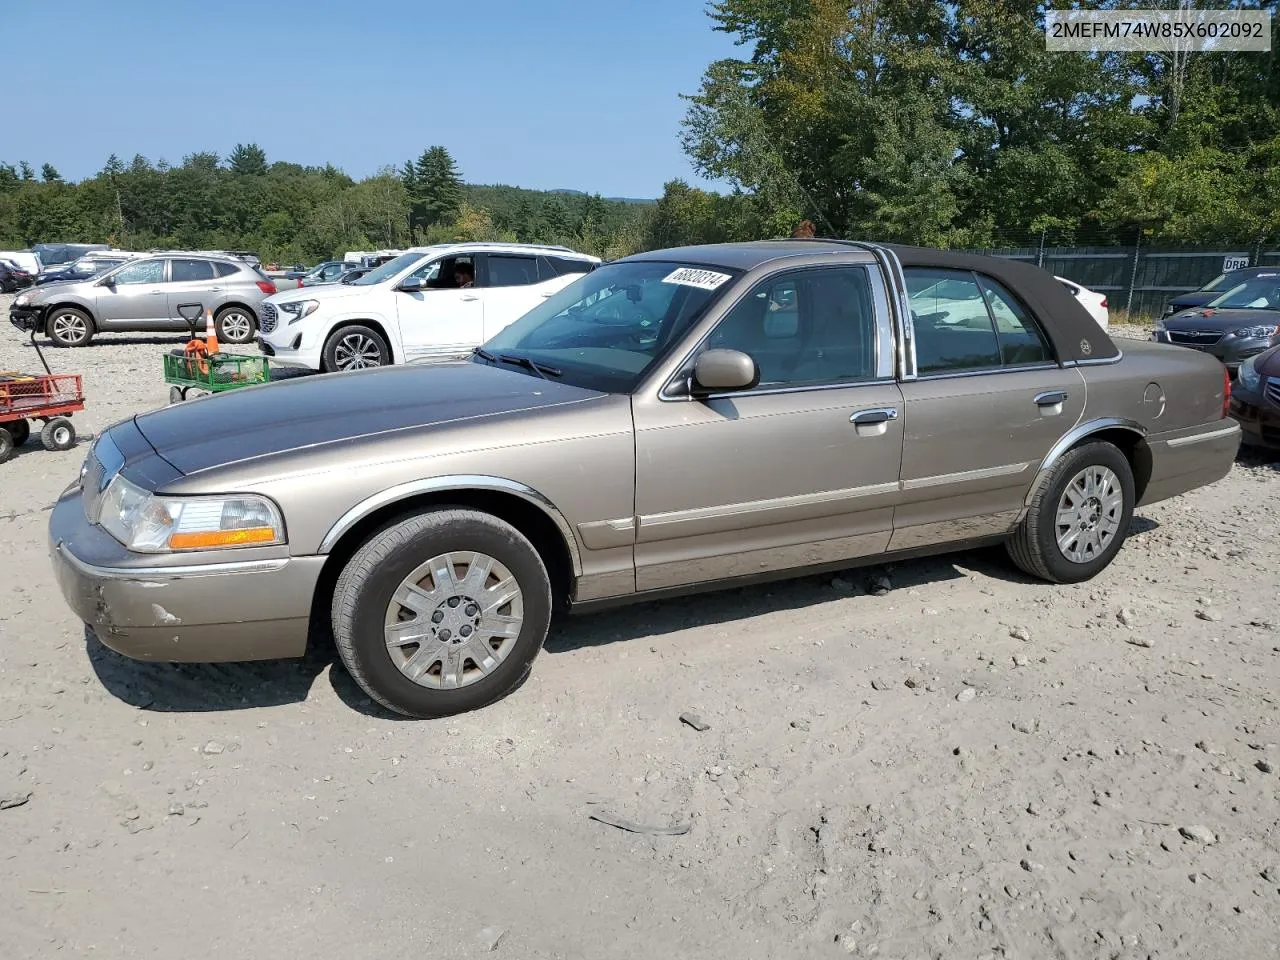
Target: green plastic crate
(222, 371)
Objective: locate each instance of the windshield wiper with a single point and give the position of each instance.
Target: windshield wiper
(545, 371)
(483, 354)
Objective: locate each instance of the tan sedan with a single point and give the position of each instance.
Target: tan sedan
(677, 420)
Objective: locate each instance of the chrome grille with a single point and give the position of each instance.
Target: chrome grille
(1195, 336)
(1272, 391)
(270, 317)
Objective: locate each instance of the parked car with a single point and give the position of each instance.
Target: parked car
(1091, 300)
(13, 278)
(144, 295)
(296, 272)
(1214, 289)
(330, 271)
(651, 428)
(354, 274)
(85, 268)
(54, 255)
(412, 307)
(24, 260)
(1240, 323)
(1255, 400)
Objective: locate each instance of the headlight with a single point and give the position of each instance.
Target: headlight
(297, 309)
(146, 523)
(1256, 333)
(1248, 375)
(22, 300)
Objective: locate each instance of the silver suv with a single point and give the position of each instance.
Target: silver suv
(143, 295)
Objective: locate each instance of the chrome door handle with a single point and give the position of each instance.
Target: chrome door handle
(1050, 398)
(866, 418)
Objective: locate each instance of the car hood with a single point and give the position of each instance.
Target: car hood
(1220, 320)
(321, 292)
(317, 411)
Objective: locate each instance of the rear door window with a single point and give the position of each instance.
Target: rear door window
(190, 271)
(509, 271)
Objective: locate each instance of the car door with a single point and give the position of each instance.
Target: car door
(440, 320)
(512, 287)
(986, 404)
(134, 297)
(801, 470)
(191, 280)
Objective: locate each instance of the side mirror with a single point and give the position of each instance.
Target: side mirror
(412, 285)
(717, 370)
(107, 282)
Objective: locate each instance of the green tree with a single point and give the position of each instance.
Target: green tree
(248, 159)
(26, 172)
(49, 173)
(438, 186)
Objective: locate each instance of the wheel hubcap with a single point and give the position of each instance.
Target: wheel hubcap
(236, 327)
(67, 326)
(355, 351)
(61, 435)
(1089, 514)
(453, 620)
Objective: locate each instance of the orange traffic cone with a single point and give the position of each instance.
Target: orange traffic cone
(210, 334)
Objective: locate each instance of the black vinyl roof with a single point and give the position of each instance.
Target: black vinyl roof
(1076, 336)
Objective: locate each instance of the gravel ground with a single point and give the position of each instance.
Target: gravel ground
(969, 765)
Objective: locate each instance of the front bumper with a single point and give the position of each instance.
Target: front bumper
(27, 318)
(1232, 351)
(257, 609)
(1259, 418)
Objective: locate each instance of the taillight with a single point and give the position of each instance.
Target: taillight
(267, 287)
(1104, 303)
(1226, 390)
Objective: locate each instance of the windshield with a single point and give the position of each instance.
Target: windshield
(388, 269)
(1259, 293)
(1215, 283)
(605, 330)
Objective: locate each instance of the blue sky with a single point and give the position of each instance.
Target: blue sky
(551, 94)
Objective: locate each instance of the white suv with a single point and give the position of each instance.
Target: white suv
(416, 307)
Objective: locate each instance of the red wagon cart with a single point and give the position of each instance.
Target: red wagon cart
(50, 398)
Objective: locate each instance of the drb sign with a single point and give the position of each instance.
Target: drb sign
(1234, 263)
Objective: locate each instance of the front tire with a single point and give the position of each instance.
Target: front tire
(442, 613)
(355, 348)
(234, 325)
(6, 444)
(58, 434)
(1079, 517)
(69, 327)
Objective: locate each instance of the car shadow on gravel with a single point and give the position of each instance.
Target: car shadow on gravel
(200, 687)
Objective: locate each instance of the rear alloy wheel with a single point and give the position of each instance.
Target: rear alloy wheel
(1079, 517)
(442, 613)
(234, 325)
(58, 434)
(69, 327)
(355, 348)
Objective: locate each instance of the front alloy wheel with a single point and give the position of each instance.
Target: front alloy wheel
(68, 327)
(355, 348)
(442, 612)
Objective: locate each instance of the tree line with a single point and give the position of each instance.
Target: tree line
(941, 122)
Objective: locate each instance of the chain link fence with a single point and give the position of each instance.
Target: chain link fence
(1139, 278)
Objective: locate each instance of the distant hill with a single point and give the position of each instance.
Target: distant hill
(583, 193)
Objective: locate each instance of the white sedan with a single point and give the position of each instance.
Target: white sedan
(1094, 302)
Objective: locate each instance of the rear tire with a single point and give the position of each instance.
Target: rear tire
(1068, 537)
(6, 444)
(235, 325)
(481, 622)
(355, 348)
(58, 434)
(69, 327)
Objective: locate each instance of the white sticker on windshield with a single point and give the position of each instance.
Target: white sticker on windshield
(689, 277)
